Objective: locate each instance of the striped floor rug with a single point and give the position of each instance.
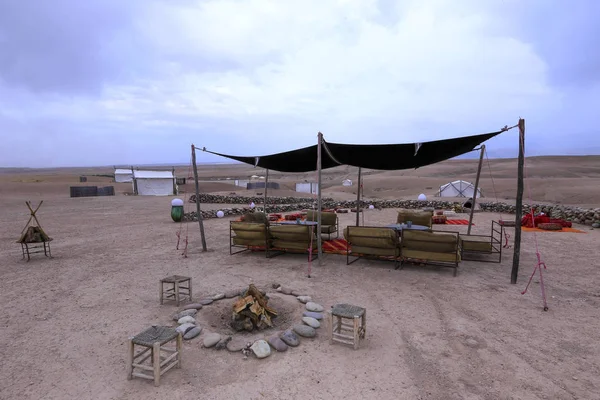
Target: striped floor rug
(457, 222)
(335, 246)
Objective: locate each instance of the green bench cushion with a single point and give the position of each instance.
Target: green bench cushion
(382, 238)
(327, 218)
(416, 216)
(375, 251)
(483, 245)
(431, 256)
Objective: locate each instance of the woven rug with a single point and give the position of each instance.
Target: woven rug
(572, 230)
(335, 246)
(457, 222)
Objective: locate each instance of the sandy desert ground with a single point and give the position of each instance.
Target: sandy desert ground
(65, 321)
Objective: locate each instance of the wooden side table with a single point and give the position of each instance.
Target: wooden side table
(176, 287)
(337, 325)
(153, 340)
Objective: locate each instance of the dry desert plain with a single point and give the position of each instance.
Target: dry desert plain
(65, 321)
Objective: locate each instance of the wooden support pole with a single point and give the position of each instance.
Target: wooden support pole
(266, 184)
(319, 204)
(476, 189)
(135, 188)
(358, 199)
(174, 181)
(200, 222)
(519, 206)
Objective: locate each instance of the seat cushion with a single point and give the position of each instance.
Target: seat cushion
(327, 218)
(431, 256)
(384, 238)
(248, 242)
(250, 230)
(477, 245)
(417, 217)
(292, 233)
(327, 228)
(375, 251)
(436, 242)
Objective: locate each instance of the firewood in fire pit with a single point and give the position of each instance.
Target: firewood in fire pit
(251, 311)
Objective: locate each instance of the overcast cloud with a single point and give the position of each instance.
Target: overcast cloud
(102, 82)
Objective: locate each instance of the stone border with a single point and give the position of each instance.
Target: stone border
(261, 348)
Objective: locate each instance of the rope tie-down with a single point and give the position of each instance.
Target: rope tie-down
(185, 204)
(540, 263)
(539, 266)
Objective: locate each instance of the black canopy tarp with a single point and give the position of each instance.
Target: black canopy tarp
(371, 156)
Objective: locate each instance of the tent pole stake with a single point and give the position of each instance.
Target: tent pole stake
(319, 204)
(266, 184)
(476, 188)
(358, 199)
(200, 222)
(519, 206)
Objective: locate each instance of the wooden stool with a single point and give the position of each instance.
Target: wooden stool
(358, 327)
(152, 339)
(176, 288)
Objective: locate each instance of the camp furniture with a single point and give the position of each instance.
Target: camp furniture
(418, 217)
(437, 248)
(341, 330)
(293, 238)
(329, 222)
(153, 341)
(475, 245)
(176, 287)
(371, 242)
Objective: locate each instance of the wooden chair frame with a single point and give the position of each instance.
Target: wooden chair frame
(495, 240)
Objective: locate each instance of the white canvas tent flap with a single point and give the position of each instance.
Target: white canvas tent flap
(458, 188)
(307, 187)
(154, 183)
(123, 175)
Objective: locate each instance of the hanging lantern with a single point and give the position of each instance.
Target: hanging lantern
(177, 210)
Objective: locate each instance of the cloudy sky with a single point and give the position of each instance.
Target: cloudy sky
(103, 82)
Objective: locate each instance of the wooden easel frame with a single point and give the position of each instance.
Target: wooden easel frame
(32, 248)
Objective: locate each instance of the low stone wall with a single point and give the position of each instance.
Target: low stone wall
(296, 206)
(234, 199)
(590, 216)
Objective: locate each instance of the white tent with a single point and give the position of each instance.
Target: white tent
(154, 183)
(123, 175)
(347, 182)
(307, 187)
(458, 189)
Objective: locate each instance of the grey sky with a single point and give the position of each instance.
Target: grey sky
(102, 82)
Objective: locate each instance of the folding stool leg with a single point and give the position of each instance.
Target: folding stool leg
(330, 317)
(156, 363)
(179, 345)
(130, 346)
(356, 335)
